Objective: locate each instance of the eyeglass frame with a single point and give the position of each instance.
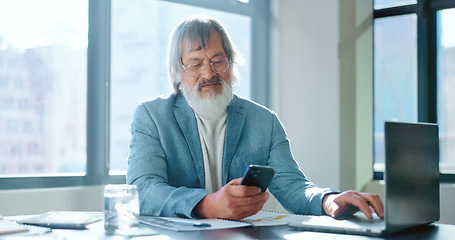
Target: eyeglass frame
(211, 67)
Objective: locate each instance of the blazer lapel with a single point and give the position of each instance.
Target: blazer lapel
(234, 125)
(187, 122)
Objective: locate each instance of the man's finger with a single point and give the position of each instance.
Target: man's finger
(254, 200)
(361, 203)
(376, 202)
(244, 191)
(235, 181)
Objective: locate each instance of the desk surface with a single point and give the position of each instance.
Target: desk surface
(436, 231)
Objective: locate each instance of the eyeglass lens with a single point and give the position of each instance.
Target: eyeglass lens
(197, 69)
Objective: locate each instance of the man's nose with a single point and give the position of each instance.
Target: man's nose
(208, 71)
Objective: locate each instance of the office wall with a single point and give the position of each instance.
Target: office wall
(305, 84)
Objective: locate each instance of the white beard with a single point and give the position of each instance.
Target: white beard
(213, 105)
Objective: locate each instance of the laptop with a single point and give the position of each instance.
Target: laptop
(411, 185)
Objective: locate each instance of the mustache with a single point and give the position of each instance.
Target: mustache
(214, 80)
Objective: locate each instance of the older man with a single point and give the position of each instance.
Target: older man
(190, 148)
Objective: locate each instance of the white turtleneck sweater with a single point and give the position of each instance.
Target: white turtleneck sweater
(211, 133)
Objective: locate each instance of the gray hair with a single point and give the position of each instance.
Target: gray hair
(195, 31)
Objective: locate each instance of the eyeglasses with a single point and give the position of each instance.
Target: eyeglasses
(197, 68)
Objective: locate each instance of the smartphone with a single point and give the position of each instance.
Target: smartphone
(256, 175)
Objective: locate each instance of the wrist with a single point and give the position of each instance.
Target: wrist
(326, 200)
(203, 209)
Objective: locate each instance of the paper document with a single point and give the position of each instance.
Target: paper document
(266, 218)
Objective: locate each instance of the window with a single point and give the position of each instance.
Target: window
(378, 4)
(43, 59)
(395, 73)
(446, 88)
(414, 72)
(67, 92)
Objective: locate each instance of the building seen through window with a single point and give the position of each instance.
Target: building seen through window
(43, 85)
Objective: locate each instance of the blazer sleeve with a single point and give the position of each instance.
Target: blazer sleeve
(147, 168)
(290, 186)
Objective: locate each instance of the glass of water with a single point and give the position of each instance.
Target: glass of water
(121, 207)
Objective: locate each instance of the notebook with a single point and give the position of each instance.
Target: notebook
(262, 218)
(411, 185)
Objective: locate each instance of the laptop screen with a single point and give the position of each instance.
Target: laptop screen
(411, 174)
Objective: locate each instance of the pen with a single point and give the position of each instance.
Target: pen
(188, 222)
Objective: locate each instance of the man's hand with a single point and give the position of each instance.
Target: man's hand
(350, 202)
(232, 201)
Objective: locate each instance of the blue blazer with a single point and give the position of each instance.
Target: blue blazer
(166, 163)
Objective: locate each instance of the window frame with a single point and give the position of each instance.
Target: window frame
(98, 89)
(426, 11)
